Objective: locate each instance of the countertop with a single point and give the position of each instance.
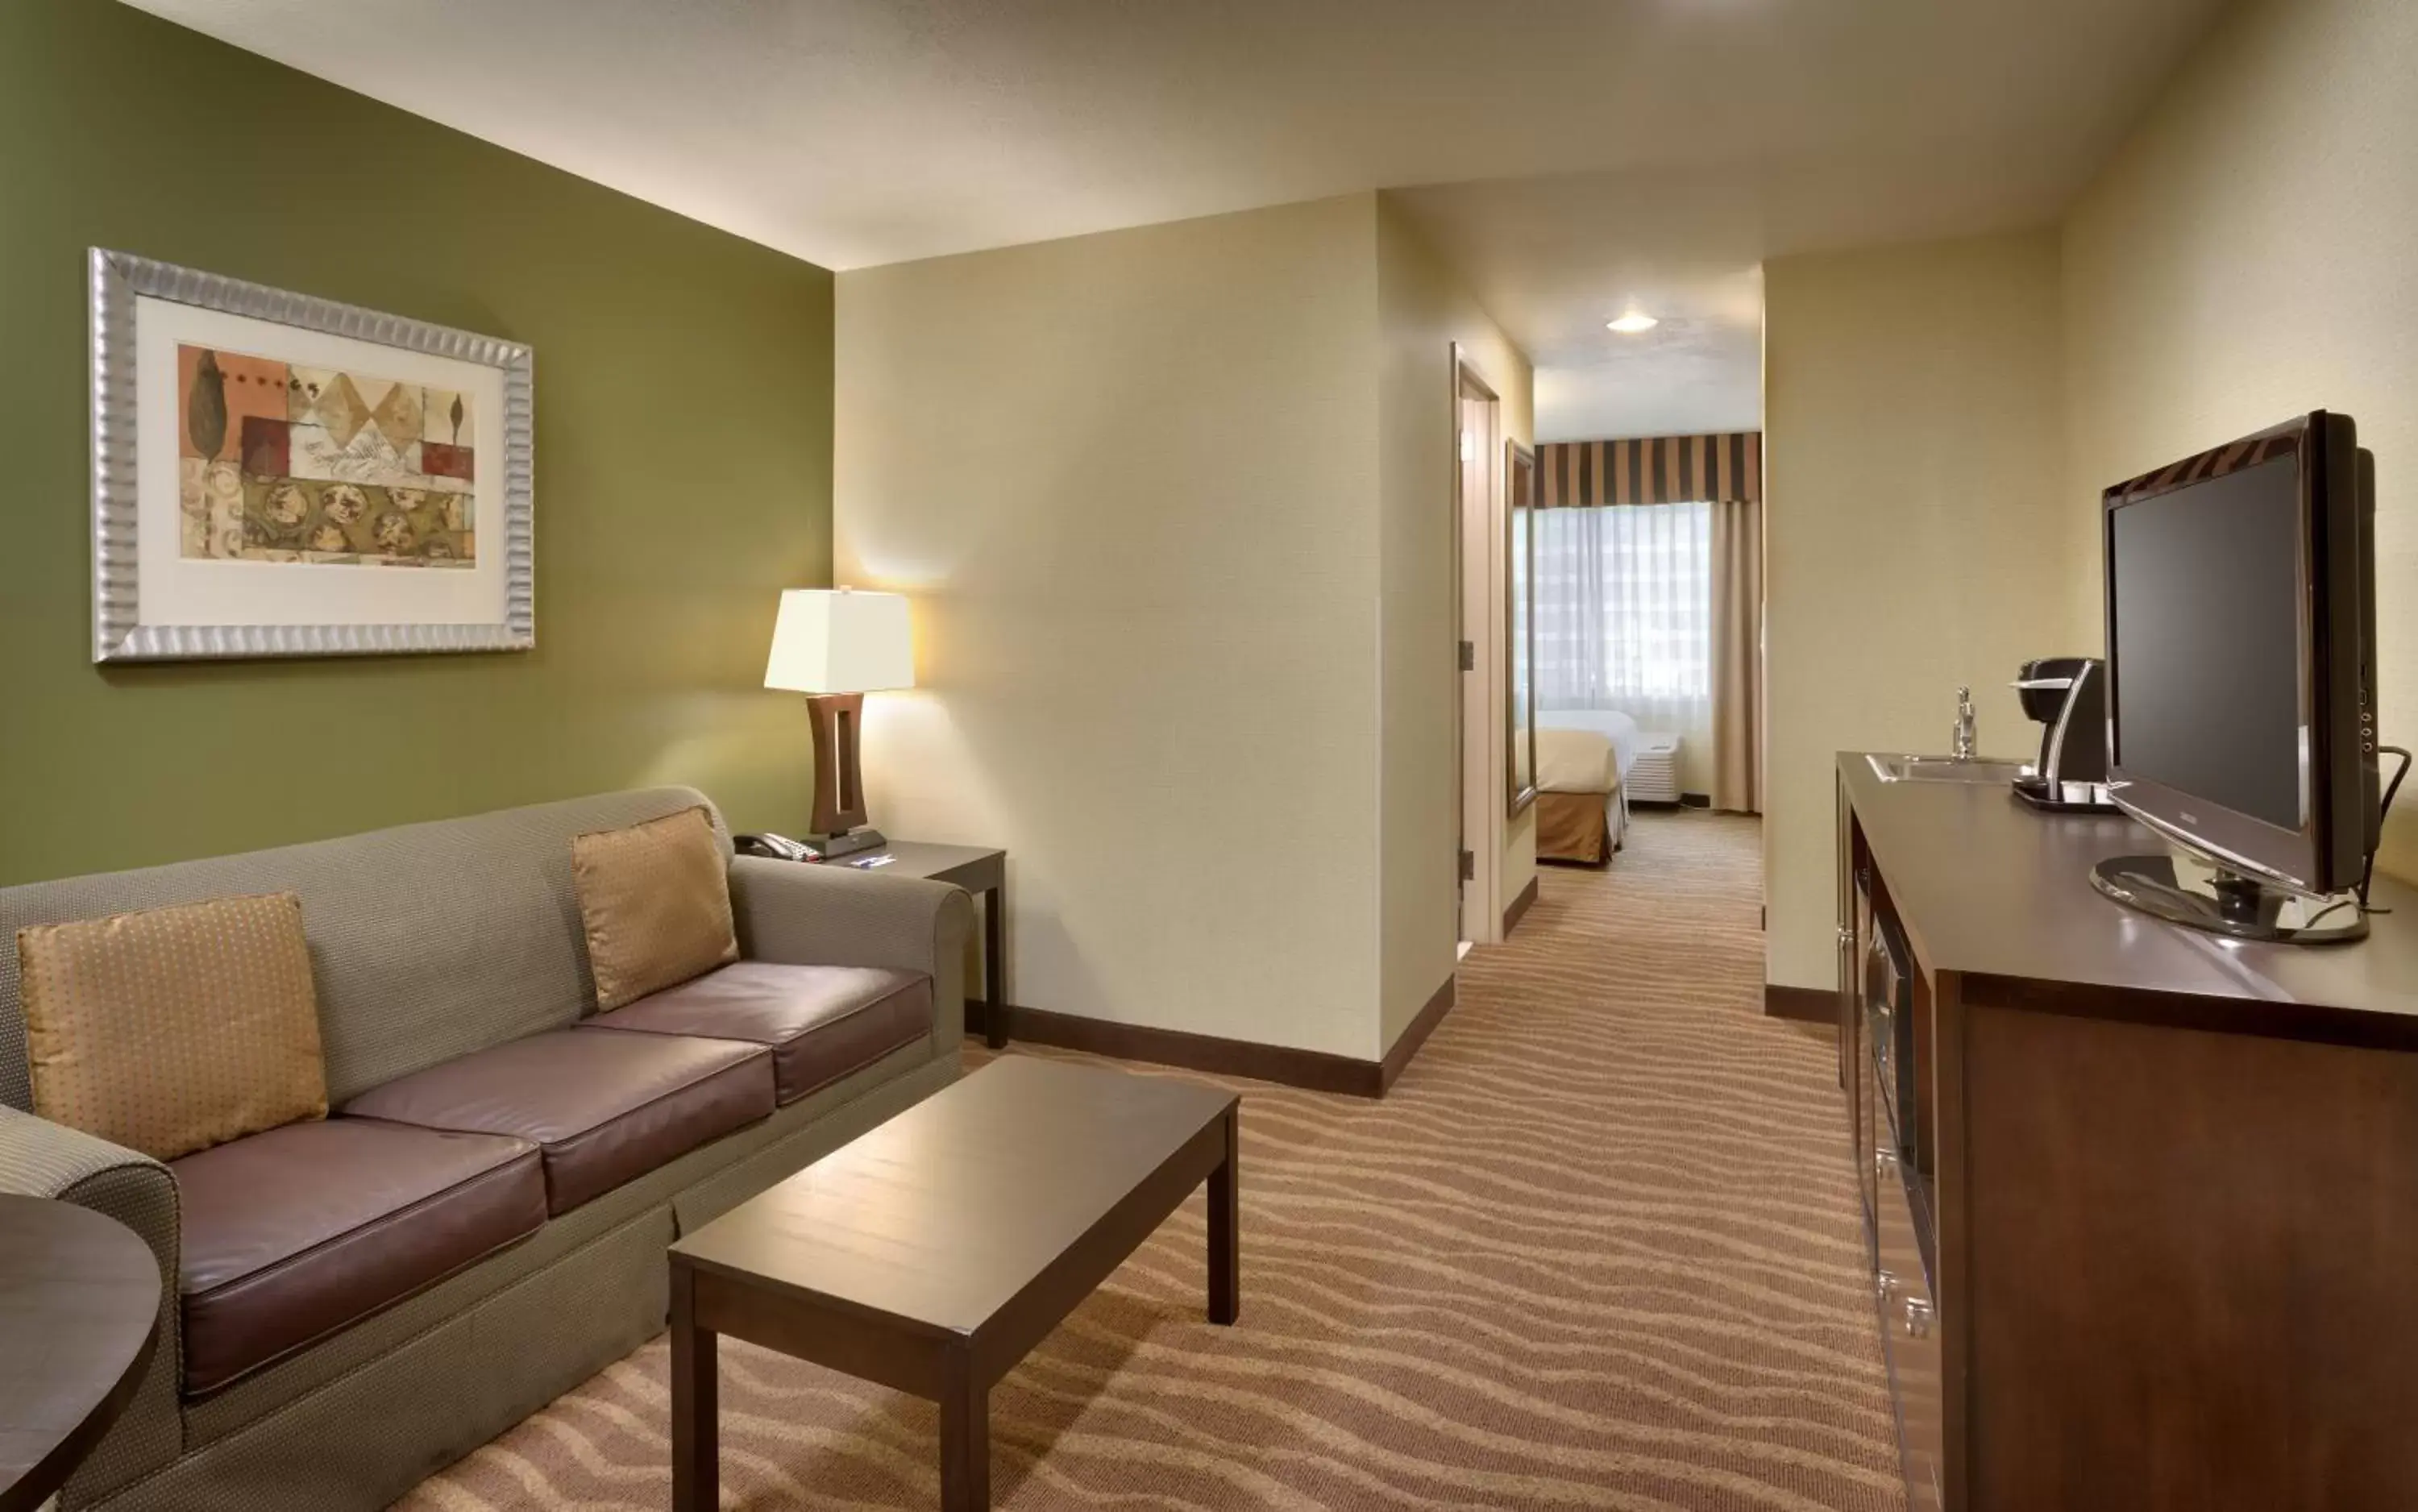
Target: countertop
(1999, 893)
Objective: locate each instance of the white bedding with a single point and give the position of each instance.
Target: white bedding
(1575, 761)
(1618, 729)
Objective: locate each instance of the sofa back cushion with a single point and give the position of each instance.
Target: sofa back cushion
(172, 1029)
(654, 899)
(427, 942)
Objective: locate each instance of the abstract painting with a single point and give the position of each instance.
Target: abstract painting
(276, 475)
(281, 462)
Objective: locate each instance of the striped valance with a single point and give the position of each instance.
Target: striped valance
(1660, 469)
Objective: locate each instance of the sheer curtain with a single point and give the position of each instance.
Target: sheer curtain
(1625, 612)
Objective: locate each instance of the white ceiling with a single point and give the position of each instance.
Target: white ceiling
(1654, 149)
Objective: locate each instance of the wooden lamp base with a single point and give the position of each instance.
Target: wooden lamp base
(838, 819)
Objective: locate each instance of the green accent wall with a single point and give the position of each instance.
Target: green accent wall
(683, 385)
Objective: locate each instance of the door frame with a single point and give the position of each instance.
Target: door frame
(1479, 764)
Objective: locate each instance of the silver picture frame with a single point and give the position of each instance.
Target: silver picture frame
(118, 280)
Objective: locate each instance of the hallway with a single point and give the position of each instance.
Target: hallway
(1596, 1250)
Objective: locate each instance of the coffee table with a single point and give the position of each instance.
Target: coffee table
(932, 1253)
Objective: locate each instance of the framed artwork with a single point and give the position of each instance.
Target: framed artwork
(275, 474)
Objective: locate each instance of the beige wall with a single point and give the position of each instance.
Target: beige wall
(2248, 255)
(1696, 757)
(1130, 480)
(1422, 309)
(1172, 647)
(1914, 534)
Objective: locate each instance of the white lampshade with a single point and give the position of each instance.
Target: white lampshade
(839, 641)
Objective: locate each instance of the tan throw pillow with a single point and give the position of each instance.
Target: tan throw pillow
(655, 901)
(173, 1030)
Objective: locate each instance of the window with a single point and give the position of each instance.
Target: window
(1624, 606)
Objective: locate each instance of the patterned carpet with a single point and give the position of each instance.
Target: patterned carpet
(1596, 1250)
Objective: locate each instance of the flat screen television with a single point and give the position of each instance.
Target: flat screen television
(2241, 616)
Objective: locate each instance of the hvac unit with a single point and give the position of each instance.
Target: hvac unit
(1653, 776)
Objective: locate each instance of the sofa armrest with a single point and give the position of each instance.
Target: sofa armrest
(809, 915)
(39, 1158)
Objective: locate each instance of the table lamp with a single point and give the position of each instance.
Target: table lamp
(839, 645)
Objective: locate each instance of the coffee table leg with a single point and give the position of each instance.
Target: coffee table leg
(1226, 1229)
(696, 1451)
(965, 1436)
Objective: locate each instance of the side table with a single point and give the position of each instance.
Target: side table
(79, 1310)
(980, 871)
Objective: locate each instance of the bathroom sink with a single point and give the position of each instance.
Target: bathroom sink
(1945, 768)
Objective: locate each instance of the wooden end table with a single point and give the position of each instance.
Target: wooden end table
(932, 1253)
(79, 1315)
(979, 871)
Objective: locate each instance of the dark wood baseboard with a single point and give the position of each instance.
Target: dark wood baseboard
(1805, 1005)
(1519, 909)
(1695, 799)
(1424, 1025)
(1312, 1070)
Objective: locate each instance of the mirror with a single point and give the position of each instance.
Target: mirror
(1520, 614)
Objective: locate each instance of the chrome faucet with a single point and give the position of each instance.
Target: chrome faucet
(1961, 742)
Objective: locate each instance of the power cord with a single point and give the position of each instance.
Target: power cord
(2384, 811)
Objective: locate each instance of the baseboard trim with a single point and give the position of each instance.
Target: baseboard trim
(1519, 909)
(1430, 1016)
(1803, 1005)
(1312, 1070)
(1695, 799)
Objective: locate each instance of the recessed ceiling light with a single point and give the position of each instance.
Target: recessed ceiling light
(1632, 323)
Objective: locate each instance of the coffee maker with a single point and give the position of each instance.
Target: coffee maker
(2068, 695)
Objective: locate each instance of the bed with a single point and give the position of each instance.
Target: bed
(1582, 802)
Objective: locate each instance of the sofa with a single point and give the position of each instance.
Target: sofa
(481, 1222)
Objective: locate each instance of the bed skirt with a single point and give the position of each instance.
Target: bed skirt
(1576, 827)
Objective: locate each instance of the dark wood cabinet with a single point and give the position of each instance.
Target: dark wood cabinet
(1867, 1153)
(2152, 1241)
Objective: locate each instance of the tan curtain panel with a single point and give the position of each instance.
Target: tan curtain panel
(1737, 656)
(1661, 469)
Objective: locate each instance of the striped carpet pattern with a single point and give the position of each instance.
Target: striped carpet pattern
(1596, 1250)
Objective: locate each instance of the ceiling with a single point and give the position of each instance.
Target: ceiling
(1580, 153)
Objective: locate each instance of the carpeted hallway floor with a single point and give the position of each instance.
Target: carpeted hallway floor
(1596, 1250)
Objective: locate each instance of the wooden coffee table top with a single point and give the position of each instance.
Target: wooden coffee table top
(79, 1300)
(932, 1253)
(936, 1221)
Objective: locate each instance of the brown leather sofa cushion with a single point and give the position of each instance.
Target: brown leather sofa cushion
(297, 1232)
(821, 1021)
(602, 1107)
